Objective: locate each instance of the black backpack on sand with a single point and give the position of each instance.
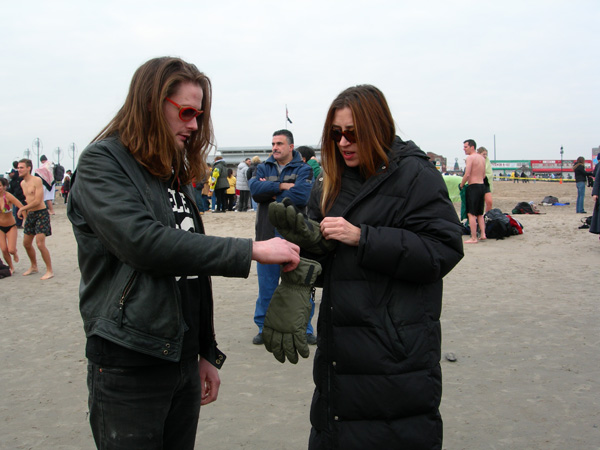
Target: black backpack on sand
(497, 224)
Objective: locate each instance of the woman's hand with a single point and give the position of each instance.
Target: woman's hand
(341, 230)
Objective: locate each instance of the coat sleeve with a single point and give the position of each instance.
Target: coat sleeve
(113, 213)
(425, 242)
(263, 191)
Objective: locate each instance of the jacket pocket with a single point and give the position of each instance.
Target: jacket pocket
(123, 299)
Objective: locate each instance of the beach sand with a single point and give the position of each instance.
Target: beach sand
(520, 315)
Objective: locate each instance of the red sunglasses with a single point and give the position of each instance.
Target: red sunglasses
(337, 134)
(186, 113)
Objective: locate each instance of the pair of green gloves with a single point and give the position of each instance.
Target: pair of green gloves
(284, 330)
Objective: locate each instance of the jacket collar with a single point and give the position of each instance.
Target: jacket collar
(296, 159)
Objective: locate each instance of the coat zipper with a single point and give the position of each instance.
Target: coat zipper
(122, 299)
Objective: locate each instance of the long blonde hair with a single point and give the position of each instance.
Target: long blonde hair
(375, 131)
(143, 129)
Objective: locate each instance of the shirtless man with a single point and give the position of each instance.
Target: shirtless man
(474, 175)
(37, 219)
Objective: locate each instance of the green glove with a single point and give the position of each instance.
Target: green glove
(297, 228)
(284, 330)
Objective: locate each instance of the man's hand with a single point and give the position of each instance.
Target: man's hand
(285, 186)
(276, 251)
(209, 382)
(340, 229)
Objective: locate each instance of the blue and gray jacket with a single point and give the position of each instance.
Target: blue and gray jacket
(265, 192)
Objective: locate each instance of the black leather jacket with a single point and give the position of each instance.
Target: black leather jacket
(130, 255)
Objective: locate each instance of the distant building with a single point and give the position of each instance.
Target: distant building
(540, 168)
(506, 167)
(438, 160)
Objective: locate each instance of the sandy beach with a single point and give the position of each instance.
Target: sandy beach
(520, 314)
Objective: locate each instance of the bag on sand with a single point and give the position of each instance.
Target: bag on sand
(4, 270)
(549, 200)
(586, 222)
(524, 208)
(499, 225)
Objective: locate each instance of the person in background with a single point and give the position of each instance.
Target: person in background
(66, 186)
(145, 292)
(310, 158)
(475, 190)
(230, 192)
(254, 162)
(14, 187)
(201, 193)
(488, 181)
(8, 225)
(581, 177)
(388, 234)
(206, 194)
(221, 185)
(524, 177)
(36, 219)
(595, 225)
(282, 175)
(242, 185)
(46, 173)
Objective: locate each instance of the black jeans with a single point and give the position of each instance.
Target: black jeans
(145, 408)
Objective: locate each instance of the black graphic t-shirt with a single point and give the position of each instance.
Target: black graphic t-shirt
(102, 351)
(189, 287)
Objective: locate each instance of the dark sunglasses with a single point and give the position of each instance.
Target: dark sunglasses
(186, 113)
(337, 134)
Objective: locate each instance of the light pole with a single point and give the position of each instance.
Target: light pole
(37, 144)
(72, 153)
(58, 152)
(561, 161)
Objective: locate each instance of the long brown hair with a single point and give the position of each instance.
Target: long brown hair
(580, 162)
(375, 131)
(143, 129)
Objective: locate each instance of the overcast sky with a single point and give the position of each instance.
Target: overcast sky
(527, 72)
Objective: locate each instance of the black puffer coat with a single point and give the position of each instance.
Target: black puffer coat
(377, 373)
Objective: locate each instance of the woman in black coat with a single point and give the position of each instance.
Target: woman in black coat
(377, 366)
